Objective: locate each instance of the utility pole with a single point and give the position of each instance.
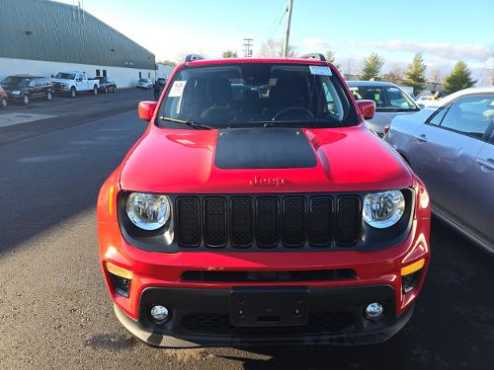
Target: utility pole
(248, 43)
(288, 25)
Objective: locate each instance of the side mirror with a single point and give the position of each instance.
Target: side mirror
(367, 108)
(146, 110)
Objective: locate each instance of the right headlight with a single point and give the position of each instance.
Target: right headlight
(384, 209)
(148, 211)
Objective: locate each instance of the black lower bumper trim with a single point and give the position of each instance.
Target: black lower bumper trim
(347, 339)
(209, 317)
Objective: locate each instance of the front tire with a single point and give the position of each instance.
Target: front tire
(25, 99)
(73, 92)
(49, 96)
(95, 90)
(3, 103)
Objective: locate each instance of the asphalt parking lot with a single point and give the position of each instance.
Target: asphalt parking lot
(54, 311)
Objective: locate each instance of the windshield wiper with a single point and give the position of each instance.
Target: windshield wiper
(309, 124)
(190, 123)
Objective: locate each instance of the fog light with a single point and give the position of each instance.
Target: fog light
(374, 311)
(160, 314)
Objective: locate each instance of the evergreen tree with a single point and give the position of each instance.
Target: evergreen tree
(372, 67)
(459, 79)
(415, 74)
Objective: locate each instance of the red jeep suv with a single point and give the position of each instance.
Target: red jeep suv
(257, 209)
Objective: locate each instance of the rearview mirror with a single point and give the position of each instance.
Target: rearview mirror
(367, 108)
(146, 110)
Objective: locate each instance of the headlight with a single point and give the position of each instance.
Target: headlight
(382, 210)
(148, 211)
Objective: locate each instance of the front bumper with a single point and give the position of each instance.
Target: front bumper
(202, 318)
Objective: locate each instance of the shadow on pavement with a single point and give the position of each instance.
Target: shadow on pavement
(49, 178)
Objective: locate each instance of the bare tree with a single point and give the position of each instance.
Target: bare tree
(274, 48)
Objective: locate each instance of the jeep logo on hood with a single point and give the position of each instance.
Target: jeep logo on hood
(267, 181)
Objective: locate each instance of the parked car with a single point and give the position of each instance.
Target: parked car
(158, 87)
(3, 98)
(452, 149)
(144, 83)
(105, 85)
(24, 88)
(428, 101)
(390, 99)
(73, 83)
(256, 209)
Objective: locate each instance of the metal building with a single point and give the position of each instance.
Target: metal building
(46, 37)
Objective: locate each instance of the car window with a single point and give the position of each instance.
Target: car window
(438, 116)
(387, 98)
(471, 115)
(255, 94)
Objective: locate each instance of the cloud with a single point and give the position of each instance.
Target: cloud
(473, 52)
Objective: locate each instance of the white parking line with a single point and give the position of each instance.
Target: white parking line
(11, 119)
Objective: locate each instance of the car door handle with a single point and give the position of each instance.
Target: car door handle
(487, 163)
(422, 138)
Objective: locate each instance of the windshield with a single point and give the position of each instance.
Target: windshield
(13, 81)
(244, 95)
(65, 76)
(387, 98)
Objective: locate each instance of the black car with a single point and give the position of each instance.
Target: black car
(24, 88)
(105, 85)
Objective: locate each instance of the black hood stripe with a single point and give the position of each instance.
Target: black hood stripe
(264, 148)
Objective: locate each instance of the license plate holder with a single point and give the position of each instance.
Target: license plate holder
(268, 307)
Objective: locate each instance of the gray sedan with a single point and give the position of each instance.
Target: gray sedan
(452, 149)
(390, 99)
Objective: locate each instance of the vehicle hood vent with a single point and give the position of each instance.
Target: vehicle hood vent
(254, 148)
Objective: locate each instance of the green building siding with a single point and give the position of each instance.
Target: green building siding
(51, 31)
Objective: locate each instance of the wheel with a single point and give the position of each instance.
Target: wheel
(25, 99)
(95, 90)
(3, 103)
(49, 96)
(107, 90)
(73, 92)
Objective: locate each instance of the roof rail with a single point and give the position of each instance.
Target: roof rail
(192, 57)
(317, 56)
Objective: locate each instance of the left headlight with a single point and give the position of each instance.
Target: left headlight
(384, 209)
(148, 211)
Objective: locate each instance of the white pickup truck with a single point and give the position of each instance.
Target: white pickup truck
(74, 82)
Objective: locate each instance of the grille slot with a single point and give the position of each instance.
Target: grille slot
(268, 276)
(241, 221)
(319, 225)
(189, 221)
(215, 221)
(269, 222)
(348, 222)
(294, 221)
(267, 234)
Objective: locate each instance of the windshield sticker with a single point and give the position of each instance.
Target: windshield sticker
(177, 89)
(320, 71)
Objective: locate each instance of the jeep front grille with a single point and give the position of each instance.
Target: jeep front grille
(291, 221)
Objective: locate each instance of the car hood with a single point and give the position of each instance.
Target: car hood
(61, 81)
(383, 119)
(262, 160)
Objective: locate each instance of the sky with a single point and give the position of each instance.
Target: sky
(444, 31)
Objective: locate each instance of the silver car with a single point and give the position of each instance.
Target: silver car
(452, 149)
(390, 99)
